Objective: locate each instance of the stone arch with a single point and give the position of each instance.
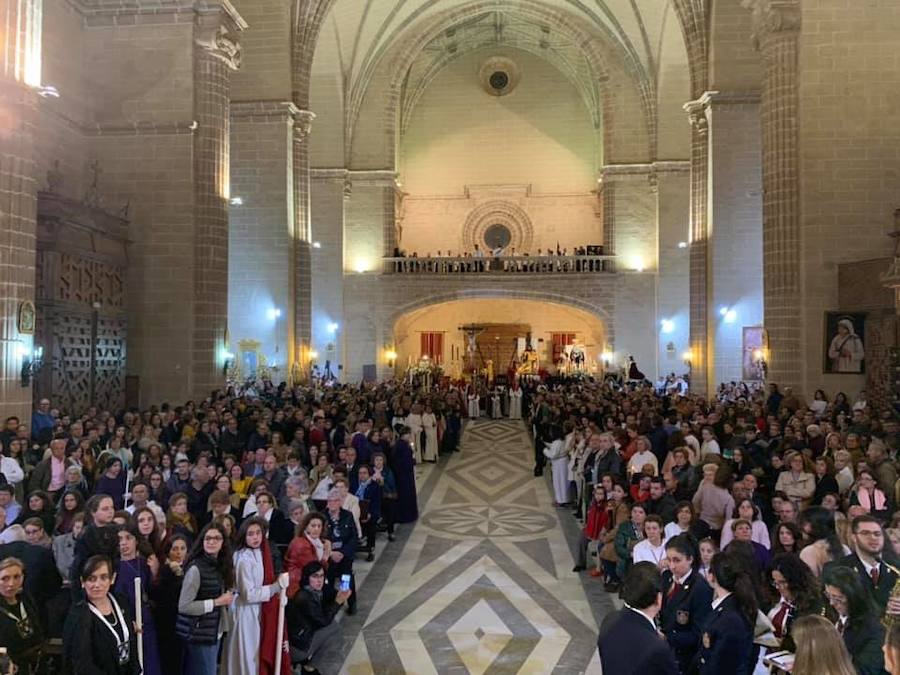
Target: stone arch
(603, 314)
(496, 212)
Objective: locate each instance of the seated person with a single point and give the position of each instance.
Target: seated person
(310, 616)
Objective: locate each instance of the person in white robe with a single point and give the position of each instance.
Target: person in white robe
(429, 424)
(515, 404)
(496, 410)
(559, 467)
(414, 422)
(242, 650)
(474, 408)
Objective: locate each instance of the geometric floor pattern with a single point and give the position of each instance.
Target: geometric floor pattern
(483, 581)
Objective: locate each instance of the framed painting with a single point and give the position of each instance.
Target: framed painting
(755, 349)
(844, 348)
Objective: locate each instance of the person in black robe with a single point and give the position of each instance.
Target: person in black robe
(407, 510)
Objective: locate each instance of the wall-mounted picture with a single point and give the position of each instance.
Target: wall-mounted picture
(753, 363)
(845, 337)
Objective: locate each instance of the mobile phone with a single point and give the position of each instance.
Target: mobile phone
(345, 583)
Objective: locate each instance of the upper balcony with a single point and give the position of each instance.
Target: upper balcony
(504, 265)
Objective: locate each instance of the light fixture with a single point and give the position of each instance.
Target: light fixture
(637, 262)
(313, 354)
(317, 244)
(682, 244)
(237, 201)
(273, 313)
(361, 265)
(730, 316)
(606, 357)
(667, 325)
(391, 356)
(686, 356)
(32, 362)
(723, 311)
(333, 327)
(48, 91)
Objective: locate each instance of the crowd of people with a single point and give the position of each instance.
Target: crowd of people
(164, 541)
(745, 531)
(500, 259)
(749, 528)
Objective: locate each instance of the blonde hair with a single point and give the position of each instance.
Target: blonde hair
(820, 649)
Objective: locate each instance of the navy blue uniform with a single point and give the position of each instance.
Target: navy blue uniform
(726, 644)
(629, 645)
(684, 613)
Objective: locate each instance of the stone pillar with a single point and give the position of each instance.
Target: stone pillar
(329, 192)
(701, 346)
(20, 69)
(302, 276)
(216, 54)
(776, 35)
(608, 216)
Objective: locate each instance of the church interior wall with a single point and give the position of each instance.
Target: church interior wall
(673, 88)
(849, 128)
(734, 64)
(735, 222)
(635, 324)
(673, 274)
(260, 253)
(265, 72)
(328, 325)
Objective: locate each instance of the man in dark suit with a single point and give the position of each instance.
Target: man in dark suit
(629, 642)
(876, 577)
(687, 601)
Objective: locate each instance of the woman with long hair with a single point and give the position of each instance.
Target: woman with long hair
(256, 583)
(797, 591)
(165, 596)
(99, 636)
(819, 651)
(727, 639)
(788, 539)
(38, 505)
(70, 504)
(713, 501)
(100, 536)
(745, 509)
(132, 566)
(113, 481)
(307, 546)
(205, 590)
(593, 531)
(149, 539)
(857, 619)
(818, 525)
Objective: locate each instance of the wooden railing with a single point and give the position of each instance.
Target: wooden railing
(522, 264)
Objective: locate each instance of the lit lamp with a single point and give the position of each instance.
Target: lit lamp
(391, 357)
(32, 362)
(687, 357)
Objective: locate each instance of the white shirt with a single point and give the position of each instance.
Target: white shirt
(12, 470)
(719, 601)
(644, 551)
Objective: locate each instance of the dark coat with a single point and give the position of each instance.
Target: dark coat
(309, 612)
(684, 614)
(21, 650)
(863, 639)
(620, 632)
(42, 579)
(886, 579)
(89, 647)
(726, 644)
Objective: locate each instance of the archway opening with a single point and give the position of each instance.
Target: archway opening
(442, 331)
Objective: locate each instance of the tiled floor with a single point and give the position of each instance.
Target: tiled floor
(483, 582)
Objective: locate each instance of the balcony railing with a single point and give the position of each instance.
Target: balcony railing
(523, 264)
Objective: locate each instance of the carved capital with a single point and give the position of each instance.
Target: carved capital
(216, 29)
(772, 17)
(696, 111)
(303, 120)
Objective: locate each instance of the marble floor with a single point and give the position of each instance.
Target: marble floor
(482, 583)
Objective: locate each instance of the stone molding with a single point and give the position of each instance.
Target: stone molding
(771, 17)
(216, 28)
(142, 12)
(303, 120)
(696, 111)
(263, 111)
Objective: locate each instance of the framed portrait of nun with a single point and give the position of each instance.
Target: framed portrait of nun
(845, 338)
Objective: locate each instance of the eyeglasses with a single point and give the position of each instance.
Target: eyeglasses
(213, 537)
(878, 534)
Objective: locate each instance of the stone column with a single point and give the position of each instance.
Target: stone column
(701, 345)
(216, 54)
(20, 70)
(776, 35)
(302, 275)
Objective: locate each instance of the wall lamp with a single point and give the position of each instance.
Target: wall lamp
(32, 362)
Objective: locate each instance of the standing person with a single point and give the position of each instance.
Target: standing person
(340, 530)
(204, 592)
(820, 651)
(726, 645)
(857, 620)
(556, 452)
(382, 474)
(407, 510)
(252, 564)
(633, 625)
(713, 501)
(132, 566)
(687, 600)
(99, 636)
(165, 594)
(21, 631)
(100, 536)
(414, 422)
(430, 435)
